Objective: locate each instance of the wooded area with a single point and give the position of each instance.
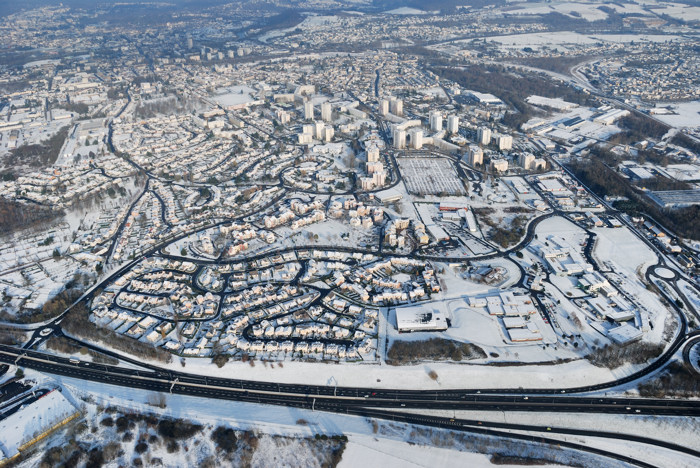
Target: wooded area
(16, 215)
(512, 87)
(39, 155)
(604, 181)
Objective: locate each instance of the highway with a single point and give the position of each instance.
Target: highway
(295, 394)
(394, 405)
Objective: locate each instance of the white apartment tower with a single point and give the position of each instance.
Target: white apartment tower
(326, 111)
(328, 134)
(396, 106)
(483, 136)
(399, 139)
(372, 154)
(282, 117)
(436, 121)
(504, 142)
(417, 139)
(526, 161)
(453, 124)
(309, 110)
(476, 156)
(383, 107)
(318, 130)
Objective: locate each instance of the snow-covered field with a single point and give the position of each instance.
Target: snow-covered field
(406, 11)
(560, 40)
(450, 375)
(588, 11)
(679, 11)
(554, 103)
(687, 115)
(234, 95)
(626, 250)
(371, 451)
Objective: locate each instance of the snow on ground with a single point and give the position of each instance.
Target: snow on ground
(687, 114)
(459, 375)
(560, 40)
(550, 39)
(554, 103)
(683, 171)
(434, 92)
(372, 443)
(678, 430)
(33, 419)
(370, 451)
(636, 38)
(679, 11)
(315, 20)
(626, 250)
(561, 227)
(406, 11)
(690, 292)
(234, 95)
(588, 11)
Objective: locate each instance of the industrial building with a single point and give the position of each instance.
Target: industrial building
(411, 319)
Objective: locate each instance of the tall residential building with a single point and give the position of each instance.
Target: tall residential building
(436, 121)
(383, 107)
(328, 134)
(499, 165)
(453, 124)
(190, 43)
(379, 178)
(309, 110)
(283, 117)
(372, 154)
(373, 167)
(417, 139)
(399, 139)
(326, 111)
(526, 161)
(396, 106)
(483, 136)
(504, 142)
(476, 156)
(319, 129)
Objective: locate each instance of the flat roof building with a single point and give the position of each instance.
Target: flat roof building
(413, 319)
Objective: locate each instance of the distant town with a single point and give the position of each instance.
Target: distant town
(346, 206)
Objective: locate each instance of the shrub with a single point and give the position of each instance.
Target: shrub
(177, 430)
(225, 439)
(434, 349)
(95, 458)
(615, 356)
(676, 381)
(122, 423)
(141, 447)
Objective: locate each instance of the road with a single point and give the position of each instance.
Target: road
(278, 393)
(379, 403)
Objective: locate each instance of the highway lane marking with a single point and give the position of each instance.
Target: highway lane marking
(491, 401)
